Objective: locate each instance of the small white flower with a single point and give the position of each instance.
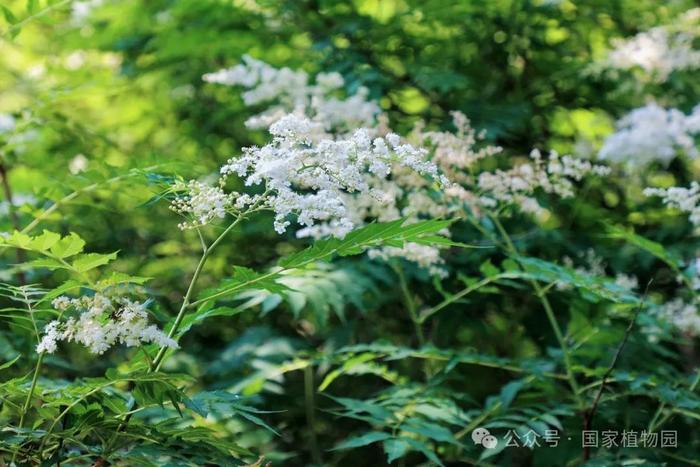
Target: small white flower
(683, 199)
(202, 204)
(554, 175)
(78, 164)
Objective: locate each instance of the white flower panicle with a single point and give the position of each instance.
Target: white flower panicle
(658, 52)
(202, 204)
(333, 179)
(101, 323)
(652, 133)
(310, 175)
(292, 92)
(683, 199)
(594, 265)
(680, 315)
(454, 152)
(627, 281)
(517, 185)
(425, 256)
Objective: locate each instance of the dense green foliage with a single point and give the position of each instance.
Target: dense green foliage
(297, 352)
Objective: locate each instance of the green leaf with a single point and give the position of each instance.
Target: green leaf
(363, 440)
(49, 263)
(205, 311)
(68, 246)
(356, 242)
(88, 261)
(10, 363)
(425, 450)
(45, 241)
(60, 290)
(373, 235)
(347, 366)
(257, 421)
(18, 240)
(600, 287)
(117, 278)
(395, 448)
(32, 6)
(509, 391)
(430, 430)
(645, 244)
(437, 240)
(9, 16)
(488, 269)
(246, 279)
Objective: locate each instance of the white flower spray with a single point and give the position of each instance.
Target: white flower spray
(290, 91)
(652, 134)
(332, 179)
(684, 199)
(101, 323)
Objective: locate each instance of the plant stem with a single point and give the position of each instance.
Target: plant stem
(654, 424)
(69, 408)
(17, 26)
(424, 315)
(28, 400)
(410, 304)
(158, 360)
(588, 415)
(7, 190)
(162, 352)
(310, 405)
(542, 295)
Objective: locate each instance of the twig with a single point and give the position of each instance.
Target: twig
(588, 415)
(7, 190)
(17, 26)
(310, 406)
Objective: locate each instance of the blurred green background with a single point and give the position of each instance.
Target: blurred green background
(105, 89)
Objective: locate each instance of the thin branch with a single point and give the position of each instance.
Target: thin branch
(19, 25)
(7, 190)
(588, 415)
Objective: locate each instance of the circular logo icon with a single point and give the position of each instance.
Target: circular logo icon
(489, 442)
(479, 434)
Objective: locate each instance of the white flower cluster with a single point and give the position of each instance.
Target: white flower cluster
(7, 123)
(202, 204)
(292, 92)
(78, 164)
(652, 133)
(684, 199)
(681, 315)
(334, 178)
(456, 152)
(81, 10)
(310, 175)
(594, 266)
(658, 52)
(694, 273)
(425, 256)
(517, 185)
(101, 323)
